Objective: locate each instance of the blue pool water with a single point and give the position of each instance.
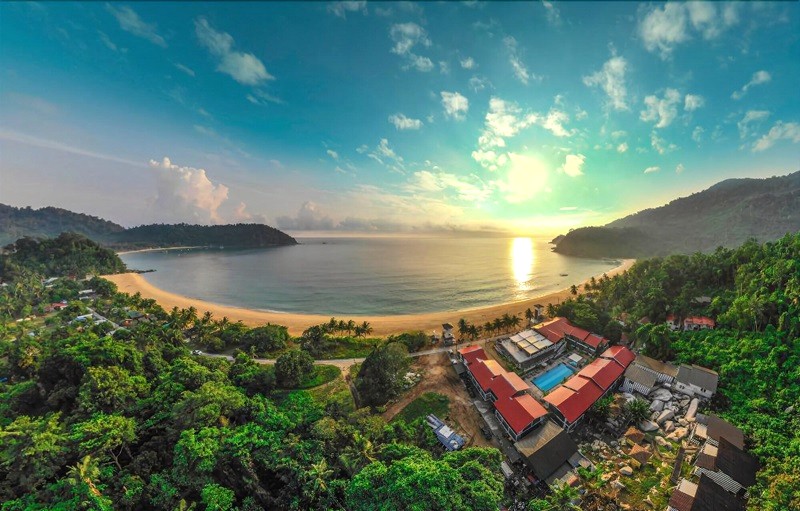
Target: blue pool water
(552, 377)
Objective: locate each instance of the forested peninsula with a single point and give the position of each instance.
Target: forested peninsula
(16, 223)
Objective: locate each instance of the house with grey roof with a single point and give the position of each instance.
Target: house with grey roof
(550, 453)
(664, 371)
(695, 380)
(638, 379)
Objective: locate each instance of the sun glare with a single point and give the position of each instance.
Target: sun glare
(522, 260)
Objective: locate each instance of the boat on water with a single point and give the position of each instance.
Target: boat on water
(564, 274)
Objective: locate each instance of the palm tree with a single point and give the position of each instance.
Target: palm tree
(350, 326)
(463, 328)
(636, 410)
(332, 325)
(497, 325)
(515, 320)
(529, 315)
(488, 328)
(366, 328)
(573, 289)
(85, 472)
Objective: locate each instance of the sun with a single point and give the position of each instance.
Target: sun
(522, 260)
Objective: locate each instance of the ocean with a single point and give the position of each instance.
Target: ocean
(369, 275)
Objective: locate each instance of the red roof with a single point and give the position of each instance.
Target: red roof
(584, 386)
(603, 372)
(594, 340)
(507, 385)
(472, 353)
(571, 404)
(485, 371)
(622, 355)
(554, 329)
(699, 320)
(576, 332)
(520, 411)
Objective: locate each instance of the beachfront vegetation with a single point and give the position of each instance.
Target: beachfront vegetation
(754, 295)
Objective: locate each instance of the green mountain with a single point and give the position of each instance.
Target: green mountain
(16, 223)
(727, 214)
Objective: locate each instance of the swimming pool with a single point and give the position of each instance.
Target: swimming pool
(552, 377)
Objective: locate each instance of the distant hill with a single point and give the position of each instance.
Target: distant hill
(235, 235)
(727, 214)
(49, 222)
(16, 223)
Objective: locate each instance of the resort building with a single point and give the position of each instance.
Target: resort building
(519, 415)
(694, 379)
(516, 410)
(558, 329)
(690, 323)
(550, 454)
(570, 401)
(529, 347)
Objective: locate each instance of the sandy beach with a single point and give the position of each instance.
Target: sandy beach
(382, 325)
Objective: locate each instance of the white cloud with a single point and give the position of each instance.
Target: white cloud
(623, 147)
(402, 122)
(751, 117)
(780, 131)
(386, 156)
(552, 13)
(663, 29)
(692, 102)
(129, 21)
(309, 218)
(333, 154)
(187, 193)
(660, 145)
(680, 168)
(661, 111)
(611, 79)
(109, 43)
(455, 105)
(341, 9)
(468, 63)
(553, 122)
(470, 189)
(520, 71)
(245, 68)
(650, 170)
(259, 97)
(573, 165)
(697, 134)
(759, 78)
(189, 71)
(406, 36)
(444, 67)
(478, 83)
(505, 119)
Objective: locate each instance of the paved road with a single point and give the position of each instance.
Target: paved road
(345, 363)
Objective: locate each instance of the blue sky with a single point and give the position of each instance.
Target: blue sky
(531, 117)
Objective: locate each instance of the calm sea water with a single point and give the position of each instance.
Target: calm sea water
(369, 275)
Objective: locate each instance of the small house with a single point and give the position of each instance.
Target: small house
(547, 452)
(639, 380)
(664, 372)
(711, 428)
(695, 380)
(706, 495)
(727, 465)
(447, 334)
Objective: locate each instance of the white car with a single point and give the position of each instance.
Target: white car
(197, 352)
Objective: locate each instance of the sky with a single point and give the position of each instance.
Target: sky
(529, 117)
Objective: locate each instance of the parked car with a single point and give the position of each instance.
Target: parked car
(197, 352)
(487, 432)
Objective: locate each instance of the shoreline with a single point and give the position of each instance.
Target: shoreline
(382, 325)
(154, 249)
